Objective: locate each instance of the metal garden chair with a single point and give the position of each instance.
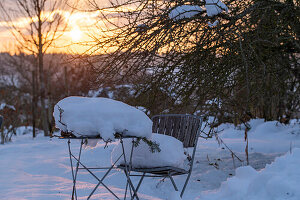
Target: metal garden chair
(185, 128)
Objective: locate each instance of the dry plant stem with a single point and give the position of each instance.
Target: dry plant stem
(232, 156)
(232, 153)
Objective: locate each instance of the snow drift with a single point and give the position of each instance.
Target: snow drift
(279, 180)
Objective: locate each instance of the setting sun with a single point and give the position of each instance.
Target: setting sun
(75, 34)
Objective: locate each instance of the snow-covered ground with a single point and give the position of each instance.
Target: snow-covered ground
(39, 168)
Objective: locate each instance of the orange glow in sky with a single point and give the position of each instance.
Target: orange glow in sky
(79, 25)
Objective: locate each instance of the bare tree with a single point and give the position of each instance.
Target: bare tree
(247, 60)
(153, 42)
(45, 24)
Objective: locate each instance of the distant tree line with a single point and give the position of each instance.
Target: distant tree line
(19, 88)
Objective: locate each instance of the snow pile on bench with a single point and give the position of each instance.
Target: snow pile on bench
(171, 154)
(85, 116)
(279, 180)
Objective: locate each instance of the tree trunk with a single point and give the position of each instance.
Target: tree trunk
(41, 74)
(43, 96)
(50, 102)
(33, 104)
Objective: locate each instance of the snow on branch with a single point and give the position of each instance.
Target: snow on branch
(211, 25)
(214, 7)
(4, 105)
(184, 12)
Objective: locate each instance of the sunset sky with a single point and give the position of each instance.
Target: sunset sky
(81, 25)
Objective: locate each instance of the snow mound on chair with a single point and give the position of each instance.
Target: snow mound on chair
(171, 154)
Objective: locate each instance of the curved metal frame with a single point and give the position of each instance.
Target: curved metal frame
(100, 181)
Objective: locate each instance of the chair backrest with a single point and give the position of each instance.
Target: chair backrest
(185, 128)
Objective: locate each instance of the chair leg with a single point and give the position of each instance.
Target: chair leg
(137, 188)
(102, 179)
(77, 165)
(74, 175)
(127, 173)
(173, 182)
(186, 182)
(126, 191)
(71, 163)
(131, 186)
(140, 182)
(99, 181)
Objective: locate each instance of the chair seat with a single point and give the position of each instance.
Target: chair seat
(163, 171)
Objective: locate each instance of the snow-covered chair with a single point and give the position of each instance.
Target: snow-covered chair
(185, 128)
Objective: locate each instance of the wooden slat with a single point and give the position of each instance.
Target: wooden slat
(188, 131)
(169, 124)
(173, 123)
(155, 124)
(166, 130)
(196, 123)
(176, 127)
(182, 129)
(161, 127)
